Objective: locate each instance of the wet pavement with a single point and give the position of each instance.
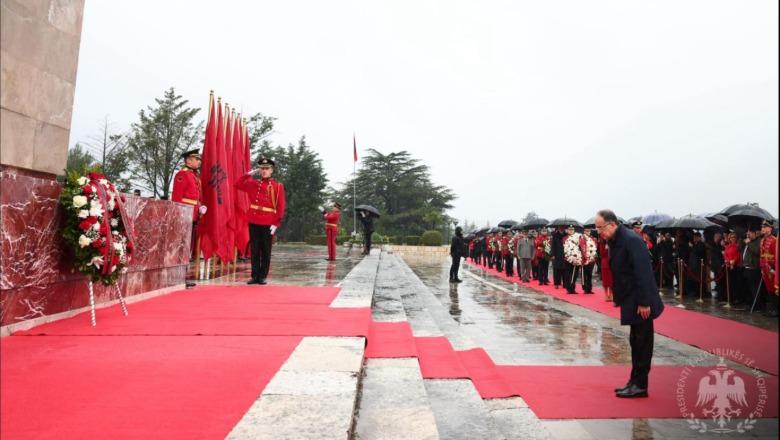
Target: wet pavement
(513, 323)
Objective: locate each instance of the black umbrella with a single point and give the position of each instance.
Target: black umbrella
(689, 221)
(729, 209)
(655, 218)
(482, 232)
(534, 223)
(718, 219)
(565, 221)
(369, 209)
(507, 224)
(749, 217)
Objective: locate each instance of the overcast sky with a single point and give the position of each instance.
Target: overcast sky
(561, 108)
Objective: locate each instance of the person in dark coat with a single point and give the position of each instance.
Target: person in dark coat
(697, 256)
(368, 228)
(664, 251)
(634, 290)
(557, 257)
(456, 252)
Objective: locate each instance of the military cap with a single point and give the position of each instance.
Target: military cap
(337, 205)
(192, 153)
(266, 162)
(636, 224)
(766, 223)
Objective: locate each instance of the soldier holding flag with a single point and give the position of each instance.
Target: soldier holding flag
(187, 189)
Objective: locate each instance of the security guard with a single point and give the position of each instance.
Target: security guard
(332, 229)
(266, 209)
(767, 260)
(187, 189)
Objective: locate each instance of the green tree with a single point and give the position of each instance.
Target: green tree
(399, 186)
(158, 139)
(79, 160)
(259, 128)
(528, 217)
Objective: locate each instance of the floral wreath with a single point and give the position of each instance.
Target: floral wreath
(96, 227)
(546, 248)
(573, 250)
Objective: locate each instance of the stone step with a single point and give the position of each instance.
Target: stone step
(393, 402)
(315, 393)
(459, 410)
(312, 396)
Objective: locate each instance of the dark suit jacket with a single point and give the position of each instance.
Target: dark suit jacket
(632, 277)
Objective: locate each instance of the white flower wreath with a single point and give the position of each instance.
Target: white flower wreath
(573, 253)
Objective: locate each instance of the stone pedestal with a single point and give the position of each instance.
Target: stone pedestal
(36, 266)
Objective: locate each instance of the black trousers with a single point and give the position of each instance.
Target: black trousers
(489, 259)
(752, 281)
(454, 268)
(558, 276)
(261, 240)
(570, 274)
(641, 340)
(587, 275)
(543, 267)
(509, 262)
(367, 242)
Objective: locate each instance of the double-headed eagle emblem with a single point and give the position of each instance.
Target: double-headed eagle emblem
(723, 394)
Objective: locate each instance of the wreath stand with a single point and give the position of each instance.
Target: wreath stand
(92, 301)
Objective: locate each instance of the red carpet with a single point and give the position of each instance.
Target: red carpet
(558, 392)
(133, 387)
(758, 348)
(390, 340)
(224, 310)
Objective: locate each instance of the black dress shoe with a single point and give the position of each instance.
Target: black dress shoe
(457, 280)
(631, 392)
(189, 284)
(588, 293)
(572, 292)
(262, 281)
(253, 281)
(623, 388)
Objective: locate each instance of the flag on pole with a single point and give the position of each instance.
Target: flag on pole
(213, 226)
(227, 243)
(354, 146)
(240, 198)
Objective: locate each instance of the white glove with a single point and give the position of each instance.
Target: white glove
(273, 229)
(253, 172)
(202, 210)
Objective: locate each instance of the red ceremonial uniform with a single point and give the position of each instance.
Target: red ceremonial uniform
(266, 200)
(186, 189)
(768, 260)
(331, 231)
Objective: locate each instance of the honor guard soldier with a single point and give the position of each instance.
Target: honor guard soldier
(187, 189)
(767, 260)
(266, 209)
(332, 229)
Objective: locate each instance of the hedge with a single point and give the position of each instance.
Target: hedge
(431, 238)
(412, 240)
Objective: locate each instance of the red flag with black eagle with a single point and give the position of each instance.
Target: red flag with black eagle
(354, 146)
(227, 244)
(240, 198)
(212, 228)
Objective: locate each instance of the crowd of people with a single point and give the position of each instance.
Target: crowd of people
(733, 268)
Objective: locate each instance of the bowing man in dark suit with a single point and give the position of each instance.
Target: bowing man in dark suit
(634, 290)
